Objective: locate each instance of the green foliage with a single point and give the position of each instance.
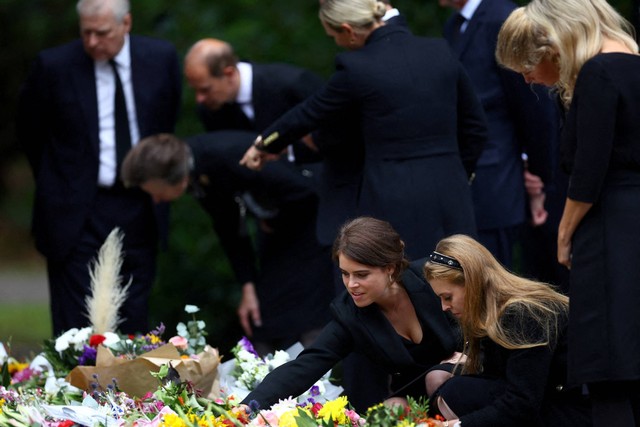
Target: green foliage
(415, 413)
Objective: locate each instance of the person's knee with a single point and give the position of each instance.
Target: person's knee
(435, 379)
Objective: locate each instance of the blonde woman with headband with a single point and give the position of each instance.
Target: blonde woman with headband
(585, 51)
(514, 328)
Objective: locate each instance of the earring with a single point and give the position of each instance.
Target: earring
(390, 280)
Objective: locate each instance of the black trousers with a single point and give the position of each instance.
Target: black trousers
(69, 280)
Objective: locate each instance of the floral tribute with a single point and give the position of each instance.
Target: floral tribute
(183, 371)
(176, 402)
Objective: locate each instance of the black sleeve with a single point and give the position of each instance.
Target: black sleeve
(295, 377)
(230, 228)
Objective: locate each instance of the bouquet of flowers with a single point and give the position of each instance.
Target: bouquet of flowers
(288, 413)
(415, 413)
(247, 369)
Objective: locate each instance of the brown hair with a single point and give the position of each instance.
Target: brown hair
(161, 156)
(371, 242)
(490, 292)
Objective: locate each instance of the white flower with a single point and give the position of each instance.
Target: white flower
(62, 342)
(284, 405)
(3, 354)
(279, 358)
(191, 308)
(81, 338)
(110, 339)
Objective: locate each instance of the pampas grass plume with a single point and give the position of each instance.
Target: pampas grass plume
(107, 293)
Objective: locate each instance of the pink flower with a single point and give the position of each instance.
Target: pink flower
(179, 342)
(266, 418)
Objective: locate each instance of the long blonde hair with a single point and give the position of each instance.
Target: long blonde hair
(492, 291)
(569, 32)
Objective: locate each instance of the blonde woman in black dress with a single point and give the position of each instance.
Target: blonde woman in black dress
(585, 51)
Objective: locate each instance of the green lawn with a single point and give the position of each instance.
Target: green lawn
(24, 327)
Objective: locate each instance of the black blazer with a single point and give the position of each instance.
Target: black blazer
(368, 332)
(423, 130)
(520, 118)
(58, 129)
(293, 299)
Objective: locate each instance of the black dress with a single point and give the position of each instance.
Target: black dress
(522, 387)
(601, 150)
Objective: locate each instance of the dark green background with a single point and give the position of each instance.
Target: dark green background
(193, 270)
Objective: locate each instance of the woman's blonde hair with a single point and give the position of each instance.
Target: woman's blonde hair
(492, 291)
(569, 32)
(360, 14)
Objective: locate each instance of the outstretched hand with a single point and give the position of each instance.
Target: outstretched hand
(253, 158)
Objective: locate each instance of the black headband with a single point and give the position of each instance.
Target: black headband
(438, 258)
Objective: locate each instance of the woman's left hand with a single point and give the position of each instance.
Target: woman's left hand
(564, 253)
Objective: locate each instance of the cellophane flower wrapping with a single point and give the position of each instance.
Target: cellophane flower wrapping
(242, 374)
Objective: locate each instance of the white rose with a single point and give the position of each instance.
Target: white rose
(191, 308)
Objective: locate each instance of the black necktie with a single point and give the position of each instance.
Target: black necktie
(456, 32)
(123, 135)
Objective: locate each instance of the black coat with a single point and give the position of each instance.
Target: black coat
(366, 331)
(422, 126)
(291, 271)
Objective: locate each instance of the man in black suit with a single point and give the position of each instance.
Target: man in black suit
(82, 104)
(233, 94)
(521, 119)
(292, 273)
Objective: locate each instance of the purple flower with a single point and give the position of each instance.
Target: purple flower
(88, 356)
(159, 330)
(314, 391)
(246, 345)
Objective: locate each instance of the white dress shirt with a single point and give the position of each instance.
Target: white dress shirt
(106, 87)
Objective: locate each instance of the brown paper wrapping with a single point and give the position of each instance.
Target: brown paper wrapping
(133, 377)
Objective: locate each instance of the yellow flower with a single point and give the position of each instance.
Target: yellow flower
(334, 410)
(154, 339)
(405, 423)
(288, 419)
(172, 420)
(17, 367)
